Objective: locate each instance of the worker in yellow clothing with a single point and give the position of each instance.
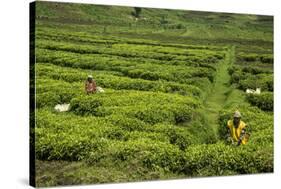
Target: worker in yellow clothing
(237, 130)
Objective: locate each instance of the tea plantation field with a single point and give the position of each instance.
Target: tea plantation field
(170, 87)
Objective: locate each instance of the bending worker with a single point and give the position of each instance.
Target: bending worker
(90, 85)
(237, 130)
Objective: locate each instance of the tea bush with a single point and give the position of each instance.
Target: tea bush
(264, 101)
(125, 50)
(146, 106)
(149, 153)
(221, 159)
(252, 78)
(115, 80)
(264, 58)
(51, 92)
(123, 65)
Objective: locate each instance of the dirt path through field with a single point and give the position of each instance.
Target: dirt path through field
(215, 101)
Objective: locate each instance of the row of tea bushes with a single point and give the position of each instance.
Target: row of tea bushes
(249, 81)
(125, 50)
(250, 77)
(80, 136)
(50, 92)
(264, 101)
(221, 159)
(151, 107)
(264, 58)
(114, 80)
(94, 139)
(181, 74)
(83, 37)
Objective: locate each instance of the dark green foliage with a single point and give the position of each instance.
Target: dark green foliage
(182, 114)
(114, 80)
(137, 12)
(221, 159)
(154, 114)
(127, 123)
(180, 137)
(264, 58)
(251, 78)
(56, 93)
(149, 107)
(144, 152)
(179, 72)
(223, 129)
(85, 105)
(264, 101)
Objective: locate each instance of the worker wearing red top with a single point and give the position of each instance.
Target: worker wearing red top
(90, 85)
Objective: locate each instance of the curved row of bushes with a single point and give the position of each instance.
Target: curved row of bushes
(264, 58)
(81, 37)
(79, 136)
(149, 71)
(51, 92)
(93, 140)
(115, 80)
(125, 50)
(198, 160)
(264, 101)
(251, 78)
(149, 107)
(221, 159)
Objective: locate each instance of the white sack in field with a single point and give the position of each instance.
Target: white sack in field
(100, 90)
(62, 107)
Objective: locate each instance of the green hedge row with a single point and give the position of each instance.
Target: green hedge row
(264, 101)
(114, 80)
(149, 107)
(82, 37)
(264, 58)
(52, 92)
(177, 73)
(80, 136)
(252, 78)
(199, 160)
(221, 159)
(125, 50)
